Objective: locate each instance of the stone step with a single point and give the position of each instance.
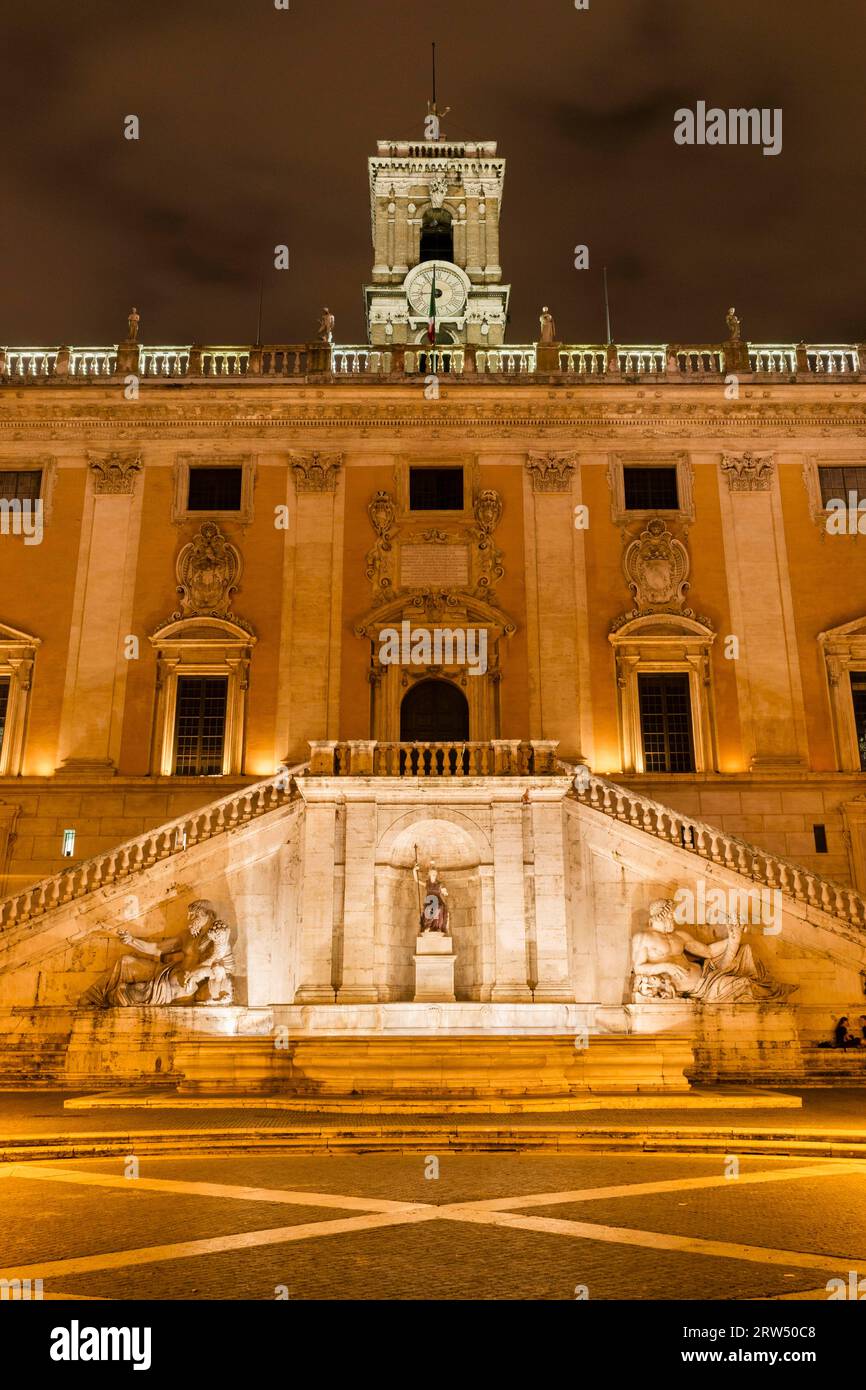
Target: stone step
(435, 1066)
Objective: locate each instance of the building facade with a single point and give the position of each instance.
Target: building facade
(433, 580)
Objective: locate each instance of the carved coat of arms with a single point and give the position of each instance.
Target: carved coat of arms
(656, 566)
(208, 570)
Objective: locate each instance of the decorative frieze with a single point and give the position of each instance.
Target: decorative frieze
(748, 472)
(114, 473)
(550, 472)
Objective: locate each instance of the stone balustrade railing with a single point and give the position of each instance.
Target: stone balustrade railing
(585, 362)
(770, 870)
(497, 757)
(166, 840)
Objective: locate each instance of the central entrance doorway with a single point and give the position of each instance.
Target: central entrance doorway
(433, 711)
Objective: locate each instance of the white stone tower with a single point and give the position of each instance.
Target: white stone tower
(436, 202)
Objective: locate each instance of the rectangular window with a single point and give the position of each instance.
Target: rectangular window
(214, 489)
(650, 489)
(4, 705)
(836, 483)
(666, 723)
(858, 695)
(24, 484)
(436, 489)
(200, 726)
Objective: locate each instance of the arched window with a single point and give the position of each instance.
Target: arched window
(437, 236)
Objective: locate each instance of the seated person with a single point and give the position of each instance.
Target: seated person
(842, 1036)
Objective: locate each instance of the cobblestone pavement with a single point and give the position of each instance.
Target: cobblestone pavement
(372, 1226)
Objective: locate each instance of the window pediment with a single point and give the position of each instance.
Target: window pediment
(671, 627)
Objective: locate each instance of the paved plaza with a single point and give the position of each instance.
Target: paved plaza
(439, 1224)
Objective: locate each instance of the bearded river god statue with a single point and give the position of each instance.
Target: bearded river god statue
(171, 971)
(669, 963)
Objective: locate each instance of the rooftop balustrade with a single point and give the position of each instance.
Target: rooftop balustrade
(573, 363)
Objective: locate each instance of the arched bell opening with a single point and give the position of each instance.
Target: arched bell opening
(437, 236)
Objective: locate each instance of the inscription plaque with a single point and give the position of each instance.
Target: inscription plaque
(443, 566)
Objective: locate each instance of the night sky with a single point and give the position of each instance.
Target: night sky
(256, 125)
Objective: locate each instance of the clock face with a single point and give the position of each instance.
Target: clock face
(450, 290)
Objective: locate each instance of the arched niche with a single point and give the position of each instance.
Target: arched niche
(458, 850)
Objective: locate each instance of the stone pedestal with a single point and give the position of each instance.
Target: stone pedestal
(547, 357)
(434, 969)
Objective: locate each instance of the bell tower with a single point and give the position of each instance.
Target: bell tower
(435, 209)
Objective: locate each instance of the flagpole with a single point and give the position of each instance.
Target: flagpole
(431, 316)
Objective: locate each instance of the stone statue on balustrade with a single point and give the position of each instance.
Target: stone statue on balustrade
(326, 326)
(172, 970)
(132, 322)
(670, 963)
(733, 325)
(548, 326)
(433, 912)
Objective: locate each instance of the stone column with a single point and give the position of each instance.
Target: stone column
(492, 268)
(473, 241)
(769, 688)
(510, 910)
(312, 591)
(358, 984)
(557, 623)
(8, 817)
(551, 936)
(487, 930)
(97, 666)
(315, 966)
(404, 237)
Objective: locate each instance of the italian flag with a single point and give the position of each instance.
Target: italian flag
(431, 317)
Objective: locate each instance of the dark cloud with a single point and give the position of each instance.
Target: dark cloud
(257, 123)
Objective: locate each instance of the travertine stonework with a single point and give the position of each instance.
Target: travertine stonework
(741, 588)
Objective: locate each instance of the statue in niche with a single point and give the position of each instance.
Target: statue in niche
(669, 963)
(433, 911)
(171, 971)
